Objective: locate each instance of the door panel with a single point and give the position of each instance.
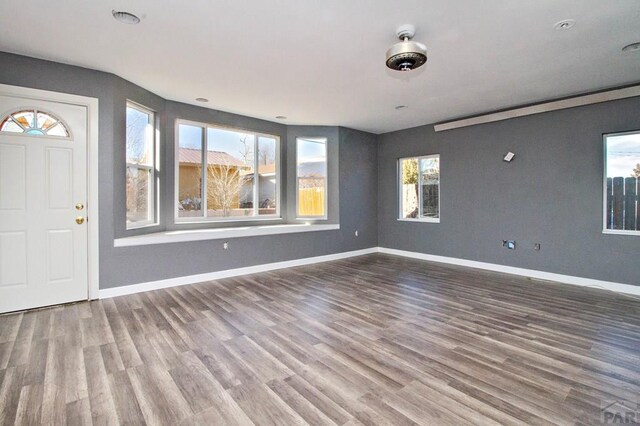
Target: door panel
(13, 259)
(60, 256)
(13, 177)
(60, 177)
(43, 251)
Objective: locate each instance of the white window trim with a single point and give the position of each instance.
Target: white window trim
(325, 141)
(204, 219)
(153, 193)
(399, 187)
(424, 219)
(605, 230)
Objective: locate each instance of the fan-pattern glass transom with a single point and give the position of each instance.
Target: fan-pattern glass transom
(33, 122)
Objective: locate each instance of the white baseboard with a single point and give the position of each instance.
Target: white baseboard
(530, 273)
(191, 279)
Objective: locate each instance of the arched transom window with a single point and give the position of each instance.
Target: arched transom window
(33, 122)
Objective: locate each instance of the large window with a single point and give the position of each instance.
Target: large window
(622, 183)
(419, 188)
(311, 178)
(226, 174)
(141, 165)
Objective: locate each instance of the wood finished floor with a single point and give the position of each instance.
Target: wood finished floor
(370, 340)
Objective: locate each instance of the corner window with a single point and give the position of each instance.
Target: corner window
(141, 166)
(226, 174)
(311, 178)
(419, 188)
(622, 183)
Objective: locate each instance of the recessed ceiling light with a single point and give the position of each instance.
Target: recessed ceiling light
(125, 17)
(565, 24)
(202, 99)
(281, 117)
(633, 47)
(399, 107)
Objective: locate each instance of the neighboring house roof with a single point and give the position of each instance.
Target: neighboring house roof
(193, 156)
(267, 169)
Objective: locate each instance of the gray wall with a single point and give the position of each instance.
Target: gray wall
(130, 265)
(551, 193)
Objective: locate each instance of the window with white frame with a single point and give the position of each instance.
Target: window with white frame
(419, 188)
(311, 178)
(622, 183)
(141, 166)
(225, 174)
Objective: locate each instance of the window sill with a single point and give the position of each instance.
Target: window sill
(620, 232)
(425, 220)
(218, 233)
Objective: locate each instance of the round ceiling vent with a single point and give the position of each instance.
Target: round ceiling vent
(125, 17)
(633, 47)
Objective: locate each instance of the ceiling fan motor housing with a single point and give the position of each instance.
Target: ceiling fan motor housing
(406, 55)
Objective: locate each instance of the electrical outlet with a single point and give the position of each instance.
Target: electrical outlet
(356, 233)
(536, 246)
(509, 244)
(225, 246)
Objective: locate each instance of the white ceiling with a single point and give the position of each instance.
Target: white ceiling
(322, 62)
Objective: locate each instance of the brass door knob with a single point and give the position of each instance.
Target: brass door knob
(79, 220)
(79, 206)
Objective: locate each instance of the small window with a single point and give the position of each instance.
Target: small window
(226, 174)
(35, 123)
(419, 188)
(311, 175)
(622, 183)
(141, 166)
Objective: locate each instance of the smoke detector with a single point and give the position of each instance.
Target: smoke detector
(406, 55)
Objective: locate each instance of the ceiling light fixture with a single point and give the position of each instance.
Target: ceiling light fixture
(281, 117)
(406, 55)
(125, 17)
(202, 99)
(565, 24)
(633, 47)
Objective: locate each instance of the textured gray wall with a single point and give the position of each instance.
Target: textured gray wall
(130, 265)
(551, 193)
(358, 158)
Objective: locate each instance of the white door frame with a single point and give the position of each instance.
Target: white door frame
(91, 105)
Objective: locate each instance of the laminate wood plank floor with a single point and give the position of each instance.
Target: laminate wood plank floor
(375, 339)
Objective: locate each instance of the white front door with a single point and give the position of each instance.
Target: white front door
(43, 191)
